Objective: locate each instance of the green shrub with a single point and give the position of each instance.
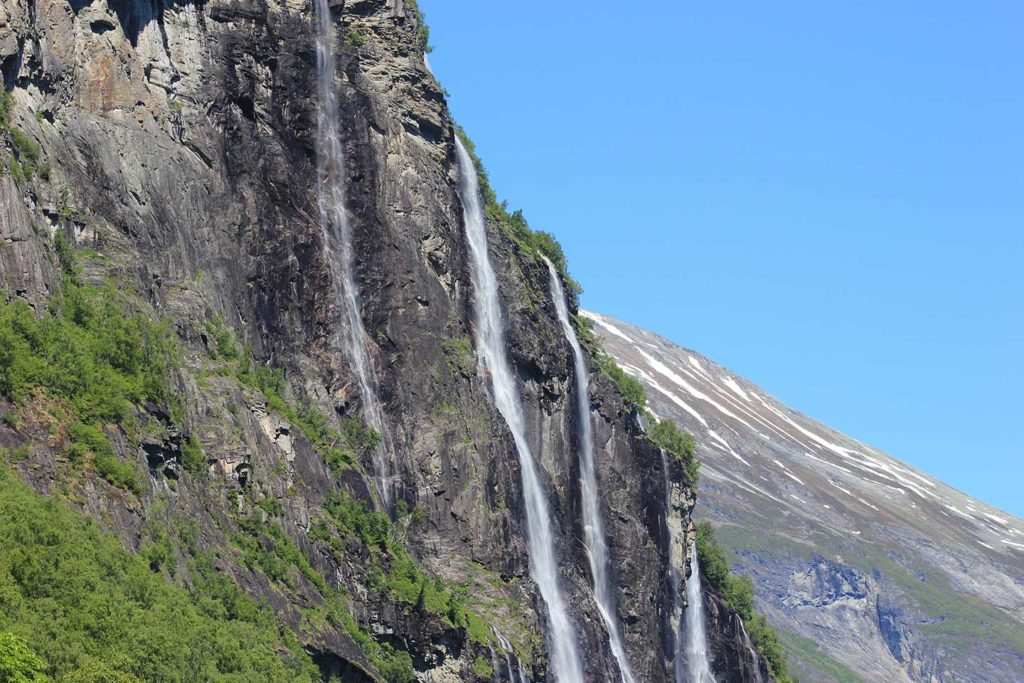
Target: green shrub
(514, 224)
(272, 506)
(221, 343)
(340, 449)
(18, 663)
(630, 389)
(27, 152)
(392, 569)
(680, 445)
(158, 552)
(395, 665)
(124, 475)
(6, 106)
(87, 349)
(86, 442)
(20, 454)
(482, 668)
(355, 38)
(27, 148)
(268, 548)
(459, 354)
(12, 419)
(422, 29)
(767, 642)
(16, 171)
(192, 457)
(737, 591)
(65, 257)
(77, 598)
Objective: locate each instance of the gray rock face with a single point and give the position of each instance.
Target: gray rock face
(179, 143)
(887, 570)
(733, 654)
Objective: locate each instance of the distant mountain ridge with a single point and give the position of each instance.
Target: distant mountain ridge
(871, 569)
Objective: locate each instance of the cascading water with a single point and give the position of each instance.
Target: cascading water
(696, 628)
(506, 648)
(678, 656)
(490, 344)
(756, 661)
(593, 526)
(334, 222)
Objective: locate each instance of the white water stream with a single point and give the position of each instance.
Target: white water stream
(334, 221)
(696, 628)
(593, 525)
(678, 650)
(490, 344)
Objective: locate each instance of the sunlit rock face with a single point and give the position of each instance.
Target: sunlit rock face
(185, 144)
(890, 572)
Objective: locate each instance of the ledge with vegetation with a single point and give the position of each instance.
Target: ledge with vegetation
(737, 592)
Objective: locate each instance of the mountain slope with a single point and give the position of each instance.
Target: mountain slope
(888, 570)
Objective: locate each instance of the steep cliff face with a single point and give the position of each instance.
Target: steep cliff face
(870, 569)
(734, 657)
(178, 158)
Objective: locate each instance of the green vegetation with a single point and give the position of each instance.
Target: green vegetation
(514, 224)
(19, 454)
(12, 419)
(391, 569)
(267, 548)
(664, 434)
(88, 442)
(422, 29)
(66, 258)
(24, 165)
(18, 663)
(632, 391)
(192, 457)
(93, 356)
(220, 341)
(88, 350)
(680, 445)
(355, 38)
(6, 105)
(340, 448)
(483, 668)
(74, 605)
(737, 591)
(458, 353)
(807, 651)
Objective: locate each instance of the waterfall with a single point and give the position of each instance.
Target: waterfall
(507, 649)
(756, 661)
(490, 343)
(337, 232)
(675, 573)
(696, 627)
(593, 526)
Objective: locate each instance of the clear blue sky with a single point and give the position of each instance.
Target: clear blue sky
(827, 198)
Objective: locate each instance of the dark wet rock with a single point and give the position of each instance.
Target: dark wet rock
(180, 139)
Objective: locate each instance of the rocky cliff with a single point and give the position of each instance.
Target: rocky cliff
(870, 569)
(172, 148)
